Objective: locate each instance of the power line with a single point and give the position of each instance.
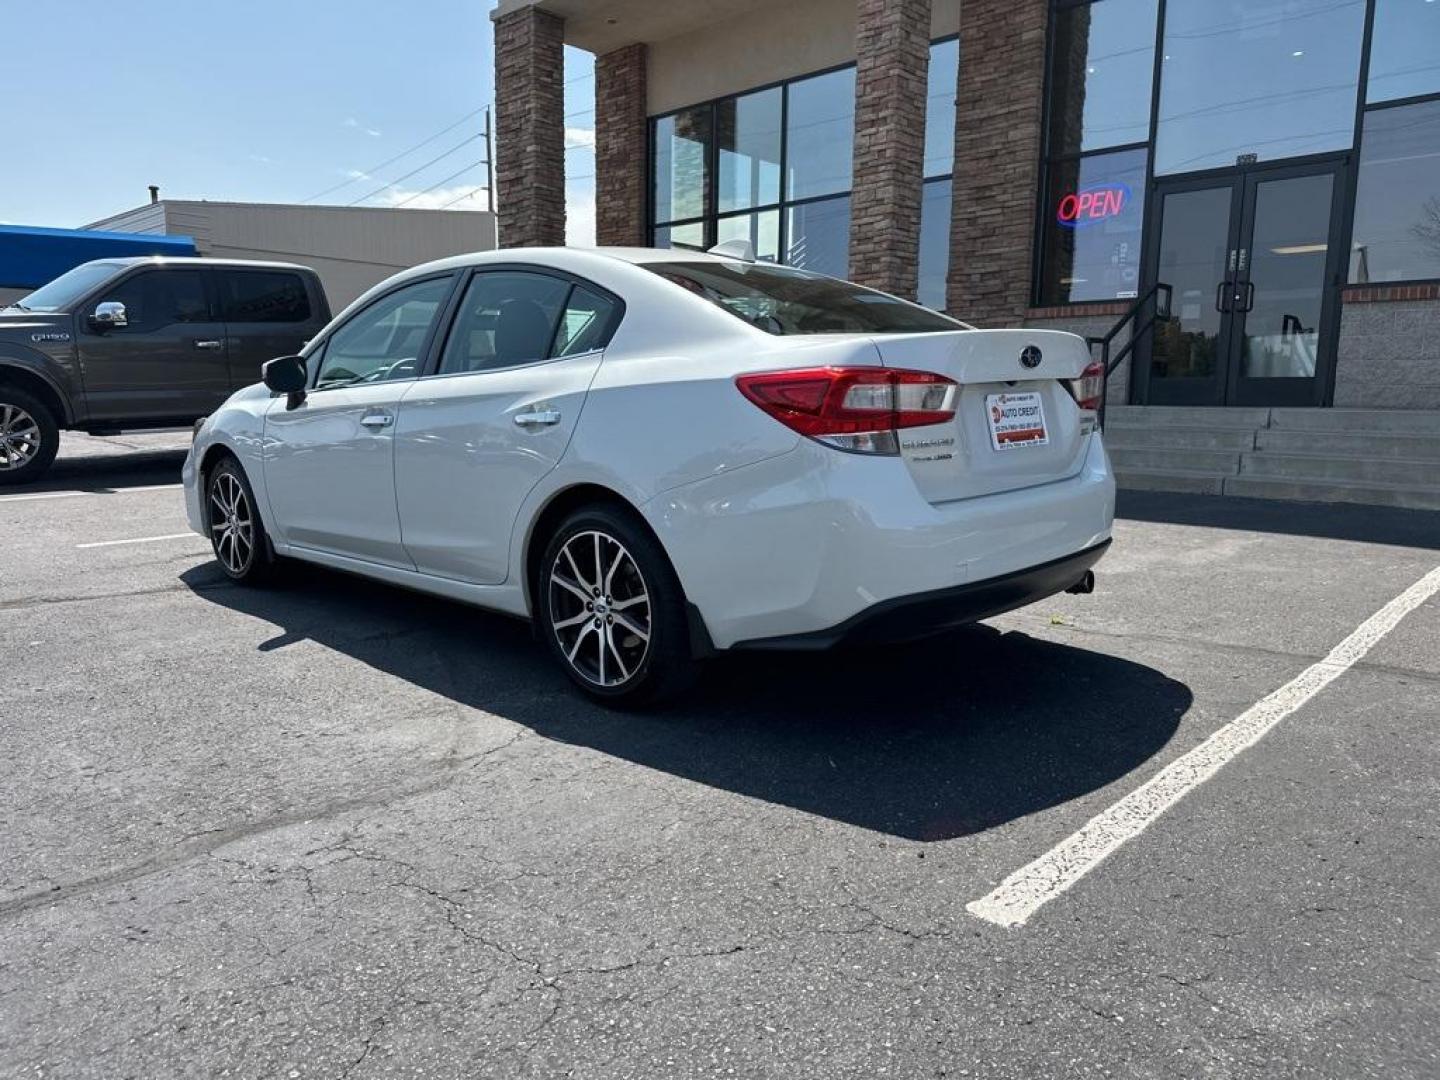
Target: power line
(440, 183)
(399, 179)
(365, 173)
(468, 195)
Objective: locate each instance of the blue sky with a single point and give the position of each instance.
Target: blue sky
(266, 101)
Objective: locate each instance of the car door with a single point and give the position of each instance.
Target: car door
(267, 313)
(473, 440)
(167, 363)
(329, 459)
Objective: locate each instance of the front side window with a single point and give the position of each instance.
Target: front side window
(384, 341)
(69, 288)
(1094, 213)
(156, 299)
(263, 296)
(782, 300)
(1397, 198)
(506, 318)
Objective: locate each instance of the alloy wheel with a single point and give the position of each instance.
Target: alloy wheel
(232, 523)
(19, 438)
(600, 608)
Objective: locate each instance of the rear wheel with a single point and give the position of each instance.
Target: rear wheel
(29, 436)
(237, 535)
(611, 609)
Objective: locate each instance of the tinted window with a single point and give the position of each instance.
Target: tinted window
(585, 324)
(1404, 50)
(1093, 216)
(747, 132)
(1102, 67)
(507, 318)
(259, 296)
(780, 300)
(1273, 78)
(159, 298)
(1397, 201)
(383, 341)
(682, 146)
(820, 126)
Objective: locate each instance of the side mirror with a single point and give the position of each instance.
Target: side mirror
(109, 316)
(286, 375)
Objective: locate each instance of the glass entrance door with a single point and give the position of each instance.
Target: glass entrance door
(1250, 258)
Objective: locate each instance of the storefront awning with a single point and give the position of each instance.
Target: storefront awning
(30, 257)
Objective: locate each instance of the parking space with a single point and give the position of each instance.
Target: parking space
(333, 829)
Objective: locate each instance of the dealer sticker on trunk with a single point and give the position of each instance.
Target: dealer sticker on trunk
(1016, 420)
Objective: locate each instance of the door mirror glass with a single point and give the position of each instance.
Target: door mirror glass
(285, 374)
(109, 316)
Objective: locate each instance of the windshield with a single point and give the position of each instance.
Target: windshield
(783, 300)
(65, 290)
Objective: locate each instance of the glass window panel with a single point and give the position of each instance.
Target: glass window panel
(940, 108)
(585, 326)
(1404, 50)
(1397, 200)
(506, 318)
(934, 243)
(819, 236)
(820, 127)
(682, 143)
(1094, 213)
(1194, 232)
(1274, 78)
(383, 341)
(681, 236)
(1102, 68)
(263, 296)
(747, 132)
(762, 230)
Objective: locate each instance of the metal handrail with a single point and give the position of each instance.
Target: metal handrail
(1138, 329)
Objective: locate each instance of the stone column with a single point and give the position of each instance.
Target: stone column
(530, 128)
(999, 108)
(892, 47)
(621, 160)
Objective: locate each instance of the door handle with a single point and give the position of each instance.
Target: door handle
(538, 418)
(209, 343)
(377, 420)
(1249, 296)
(1221, 292)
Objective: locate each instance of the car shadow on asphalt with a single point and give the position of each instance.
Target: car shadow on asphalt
(929, 741)
(97, 474)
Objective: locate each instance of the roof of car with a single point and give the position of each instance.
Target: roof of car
(180, 260)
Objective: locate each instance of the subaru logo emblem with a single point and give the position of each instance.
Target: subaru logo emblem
(1030, 357)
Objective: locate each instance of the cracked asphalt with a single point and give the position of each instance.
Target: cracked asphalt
(331, 829)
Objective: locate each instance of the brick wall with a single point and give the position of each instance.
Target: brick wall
(997, 158)
(530, 128)
(892, 42)
(620, 146)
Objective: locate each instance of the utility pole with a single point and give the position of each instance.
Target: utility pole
(489, 164)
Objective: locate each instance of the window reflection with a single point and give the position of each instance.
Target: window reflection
(934, 243)
(681, 164)
(819, 235)
(762, 230)
(940, 108)
(1102, 68)
(1273, 78)
(1397, 201)
(681, 236)
(1094, 211)
(820, 127)
(1404, 50)
(747, 133)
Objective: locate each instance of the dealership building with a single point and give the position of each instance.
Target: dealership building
(1263, 174)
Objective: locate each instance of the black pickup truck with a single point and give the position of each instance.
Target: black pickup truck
(122, 344)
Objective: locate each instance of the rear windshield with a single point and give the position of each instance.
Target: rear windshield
(782, 300)
(69, 287)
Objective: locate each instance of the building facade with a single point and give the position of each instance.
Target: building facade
(1270, 166)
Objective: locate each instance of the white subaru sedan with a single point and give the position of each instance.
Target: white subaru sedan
(659, 455)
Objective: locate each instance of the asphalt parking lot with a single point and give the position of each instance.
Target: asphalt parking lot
(331, 829)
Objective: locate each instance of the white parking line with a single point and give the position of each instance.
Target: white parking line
(1021, 894)
(78, 494)
(140, 540)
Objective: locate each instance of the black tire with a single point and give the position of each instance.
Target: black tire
(237, 534)
(631, 563)
(29, 436)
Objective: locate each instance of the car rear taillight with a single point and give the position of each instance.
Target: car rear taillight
(859, 409)
(1088, 391)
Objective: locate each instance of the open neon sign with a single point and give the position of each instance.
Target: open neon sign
(1092, 205)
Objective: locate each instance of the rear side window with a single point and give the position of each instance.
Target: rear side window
(156, 299)
(263, 296)
(585, 323)
(383, 342)
(508, 317)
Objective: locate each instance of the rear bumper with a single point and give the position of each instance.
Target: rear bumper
(906, 618)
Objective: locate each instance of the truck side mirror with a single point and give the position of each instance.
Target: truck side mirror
(109, 316)
(286, 375)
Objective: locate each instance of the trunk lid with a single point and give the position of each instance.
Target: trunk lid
(960, 460)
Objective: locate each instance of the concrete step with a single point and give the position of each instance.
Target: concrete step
(1181, 480)
(1204, 462)
(1172, 416)
(1291, 441)
(1358, 421)
(1399, 495)
(1336, 467)
(1180, 438)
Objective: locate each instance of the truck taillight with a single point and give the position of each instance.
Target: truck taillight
(859, 409)
(1088, 391)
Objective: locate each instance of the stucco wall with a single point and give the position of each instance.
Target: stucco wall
(1389, 355)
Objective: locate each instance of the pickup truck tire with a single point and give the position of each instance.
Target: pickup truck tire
(29, 436)
(237, 535)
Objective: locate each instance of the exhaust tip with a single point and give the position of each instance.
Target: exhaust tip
(1085, 586)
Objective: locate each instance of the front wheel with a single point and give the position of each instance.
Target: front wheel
(237, 534)
(612, 611)
(29, 436)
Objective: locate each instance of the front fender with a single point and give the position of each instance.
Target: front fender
(57, 375)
